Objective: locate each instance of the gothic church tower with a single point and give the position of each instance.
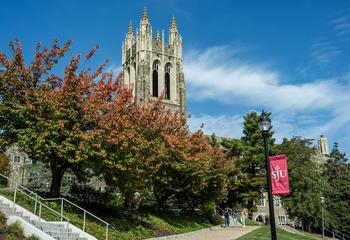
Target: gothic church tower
(152, 67)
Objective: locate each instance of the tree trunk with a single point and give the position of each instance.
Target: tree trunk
(161, 200)
(129, 201)
(56, 179)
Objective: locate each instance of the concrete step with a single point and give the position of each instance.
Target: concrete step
(2, 204)
(48, 225)
(71, 238)
(62, 234)
(56, 230)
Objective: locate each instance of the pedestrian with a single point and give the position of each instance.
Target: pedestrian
(235, 216)
(227, 218)
(244, 215)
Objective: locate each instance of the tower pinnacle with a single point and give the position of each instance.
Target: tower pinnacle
(173, 23)
(158, 39)
(130, 29)
(145, 15)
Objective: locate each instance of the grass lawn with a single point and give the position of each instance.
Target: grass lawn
(264, 233)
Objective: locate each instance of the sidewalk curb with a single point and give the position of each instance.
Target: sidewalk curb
(177, 236)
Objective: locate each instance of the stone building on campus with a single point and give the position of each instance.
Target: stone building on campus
(19, 161)
(322, 145)
(262, 214)
(152, 67)
(24, 170)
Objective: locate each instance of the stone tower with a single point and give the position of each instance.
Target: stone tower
(323, 145)
(152, 67)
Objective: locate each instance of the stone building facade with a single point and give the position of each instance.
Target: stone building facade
(151, 67)
(24, 170)
(262, 214)
(19, 161)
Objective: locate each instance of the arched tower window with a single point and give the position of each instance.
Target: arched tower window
(155, 79)
(128, 77)
(167, 81)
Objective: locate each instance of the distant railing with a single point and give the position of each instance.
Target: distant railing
(219, 213)
(337, 234)
(38, 200)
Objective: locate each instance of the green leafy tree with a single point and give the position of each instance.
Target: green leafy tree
(247, 180)
(213, 140)
(4, 163)
(337, 191)
(303, 202)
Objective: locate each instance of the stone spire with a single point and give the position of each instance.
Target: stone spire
(173, 25)
(144, 18)
(158, 39)
(129, 38)
(130, 29)
(173, 32)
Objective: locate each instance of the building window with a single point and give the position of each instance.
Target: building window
(67, 178)
(33, 174)
(155, 79)
(17, 159)
(277, 201)
(262, 200)
(167, 81)
(282, 220)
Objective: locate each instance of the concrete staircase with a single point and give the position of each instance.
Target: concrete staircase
(56, 230)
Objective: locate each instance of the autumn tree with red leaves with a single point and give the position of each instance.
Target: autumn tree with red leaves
(132, 139)
(49, 116)
(146, 147)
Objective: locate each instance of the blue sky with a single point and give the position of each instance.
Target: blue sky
(288, 57)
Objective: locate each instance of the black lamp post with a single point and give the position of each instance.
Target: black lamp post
(322, 202)
(265, 126)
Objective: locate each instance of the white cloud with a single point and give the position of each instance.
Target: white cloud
(322, 52)
(306, 109)
(341, 26)
(224, 126)
(213, 75)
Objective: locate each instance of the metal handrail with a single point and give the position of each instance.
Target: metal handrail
(59, 214)
(17, 188)
(75, 205)
(339, 234)
(85, 212)
(62, 205)
(34, 199)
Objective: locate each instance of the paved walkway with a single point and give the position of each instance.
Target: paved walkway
(214, 233)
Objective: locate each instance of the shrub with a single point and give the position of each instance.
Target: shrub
(3, 226)
(216, 220)
(89, 196)
(33, 237)
(15, 232)
(208, 211)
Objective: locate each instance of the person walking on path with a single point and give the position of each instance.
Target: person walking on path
(235, 216)
(227, 218)
(244, 215)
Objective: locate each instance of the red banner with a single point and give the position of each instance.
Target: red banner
(279, 175)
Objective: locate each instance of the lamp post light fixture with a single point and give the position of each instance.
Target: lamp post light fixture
(322, 203)
(265, 127)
